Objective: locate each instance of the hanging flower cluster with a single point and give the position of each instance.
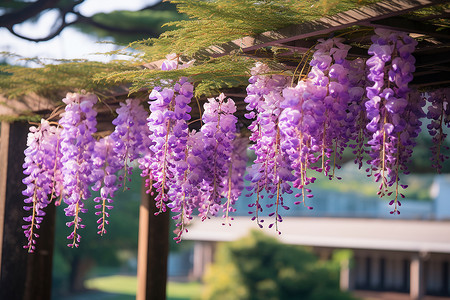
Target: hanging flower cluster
(393, 119)
(270, 172)
(41, 167)
(104, 178)
(296, 130)
(439, 116)
(77, 148)
(307, 127)
(329, 101)
(131, 135)
(168, 132)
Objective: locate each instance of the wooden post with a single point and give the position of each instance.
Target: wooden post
(417, 285)
(23, 276)
(346, 278)
(153, 250)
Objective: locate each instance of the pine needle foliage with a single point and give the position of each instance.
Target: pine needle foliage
(209, 76)
(219, 21)
(56, 77)
(214, 23)
(437, 10)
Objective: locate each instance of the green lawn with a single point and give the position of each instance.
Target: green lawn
(125, 288)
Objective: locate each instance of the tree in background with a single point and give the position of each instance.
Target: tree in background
(261, 268)
(123, 26)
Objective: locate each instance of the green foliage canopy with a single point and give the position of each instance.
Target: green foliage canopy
(210, 23)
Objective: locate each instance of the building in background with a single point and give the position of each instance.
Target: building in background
(409, 253)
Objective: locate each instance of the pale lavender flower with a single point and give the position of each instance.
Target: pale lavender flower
(393, 120)
(41, 161)
(169, 131)
(106, 164)
(270, 171)
(439, 116)
(77, 144)
(219, 131)
(131, 135)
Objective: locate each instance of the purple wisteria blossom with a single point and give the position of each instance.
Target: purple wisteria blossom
(173, 62)
(106, 164)
(169, 131)
(356, 117)
(185, 188)
(330, 101)
(405, 143)
(300, 128)
(41, 162)
(219, 131)
(391, 66)
(233, 184)
(77, 146)
(439, 116)
(270, 172)
(130, 136)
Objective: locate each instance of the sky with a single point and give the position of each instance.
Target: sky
(71, 43)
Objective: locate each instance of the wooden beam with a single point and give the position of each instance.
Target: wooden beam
(23, 276)
(412, 26)
(325, 25)
(13, 261)
(25, 104)
(153, 250)
(432, 59)
(340, 21)
(444, 15)
(437, 79)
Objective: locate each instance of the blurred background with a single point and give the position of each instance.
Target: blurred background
(70, 29)
(348, 246)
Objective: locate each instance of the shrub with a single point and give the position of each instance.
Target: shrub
(261, 268)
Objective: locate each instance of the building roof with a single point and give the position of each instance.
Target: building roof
(376, 234)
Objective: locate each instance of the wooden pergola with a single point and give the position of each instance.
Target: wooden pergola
(25, 276)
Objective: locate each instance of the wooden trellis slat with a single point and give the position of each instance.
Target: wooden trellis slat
(325, 25)
(407, 25)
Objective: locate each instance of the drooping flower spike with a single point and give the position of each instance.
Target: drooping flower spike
(219, 131)
(439, 116)
(107, 164)
(131, 135)
(77, 146)
(392, 117)
(270, 172)
(41, 160)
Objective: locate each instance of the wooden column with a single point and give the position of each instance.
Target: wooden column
(153, 250)
(203, 256)
(23, 276)
(347, 276)
(417, 285)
